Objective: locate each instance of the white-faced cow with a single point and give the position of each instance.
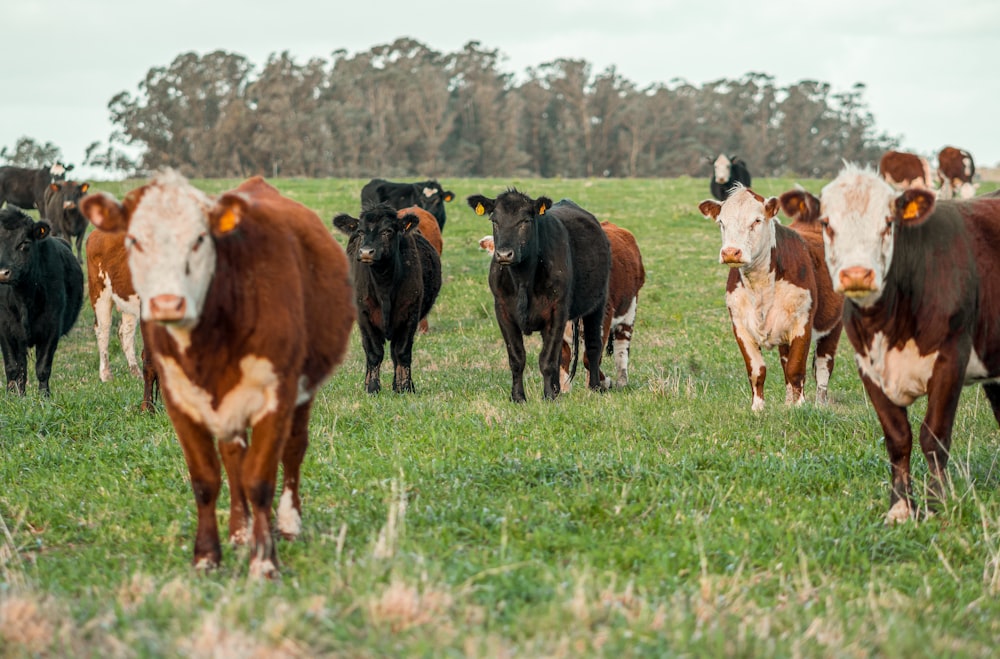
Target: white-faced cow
(904, 170)
(428, 195)
(397, 278)
(727, 173)
(774, 294)
(41, 291)
(247, 310)
(25, 187)
(627, 276)
(923, 299)
(551, 265)
(62, 211)
(955, 171)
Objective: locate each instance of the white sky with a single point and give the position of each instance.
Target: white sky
(929, 66)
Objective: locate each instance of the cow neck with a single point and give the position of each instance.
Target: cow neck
(759, 273)
(388, 276)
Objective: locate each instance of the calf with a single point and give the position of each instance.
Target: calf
(246, 309)
(774, 295)
(905, 170)
(626, 278)
(397, 277)
(428, 195)
(923, 298)
(25, 186)
(955, 171)
(62, 199)
(429, 229)
(41, 291)
(727, 173)
(550, 266)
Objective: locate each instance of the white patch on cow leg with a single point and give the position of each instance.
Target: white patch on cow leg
(205, 564)
(241, 535)
(262, 568)
(822, 379)
(620, 350)
(899, 513)
(102, 329)
(289, 520)
(126, 335)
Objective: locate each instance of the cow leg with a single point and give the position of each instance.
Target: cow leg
(794, 357)
(290, 506)
(826, 349)
(102, 329)
(373, 341)
(206, 479)
(621, 341)
(260, 472)
(898, 443)
(402, 356)
(126, 336)
(232, 451)
(44, 354)
(756, 369)
(15, 363)
(550, 358)
(943, 392)
(79, 247)
(594, 342)
(514, 341)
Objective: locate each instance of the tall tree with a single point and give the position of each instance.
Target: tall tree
(29, 153)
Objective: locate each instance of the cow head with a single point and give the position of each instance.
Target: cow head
(57, 172)
(860, 212)
(432, 197)
(514, 216)
(723, 167)
(801, 206)
(747, 223)
(70, 192)
(377, 231)
(19, 237)
(171, 232)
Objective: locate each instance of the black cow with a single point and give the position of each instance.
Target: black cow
(428, 195)
(397, 277)
(25, 186)
(727, 172)
(63, 213)
(551, 264)
(41, 290)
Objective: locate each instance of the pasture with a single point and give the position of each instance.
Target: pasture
(663, 519)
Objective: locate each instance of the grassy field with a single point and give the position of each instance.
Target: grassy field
(660, 520)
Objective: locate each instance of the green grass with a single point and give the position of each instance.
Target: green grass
(664, 519)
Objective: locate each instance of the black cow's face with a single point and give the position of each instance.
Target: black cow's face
(432, 197)
(514, 217)
(19, 237)
(377, 232)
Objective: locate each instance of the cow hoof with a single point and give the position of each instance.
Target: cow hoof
(205, 564)
(900, 513)
(106, 375)
(263, 569)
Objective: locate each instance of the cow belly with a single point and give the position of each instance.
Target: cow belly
(251, 399)
(772, 316)
(977, 373)
(901, 373)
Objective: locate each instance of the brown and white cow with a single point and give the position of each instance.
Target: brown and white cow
(955, 171)
(923, 298)
(905, 170)
(774, 296)
(246, 309)
(627, 276)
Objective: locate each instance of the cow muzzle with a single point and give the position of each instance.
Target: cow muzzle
(504, 256)
(366, 255)
(6, 276)
(857, 281)
(167, 308)
(732, 256)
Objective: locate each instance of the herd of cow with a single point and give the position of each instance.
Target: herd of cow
(913, 278)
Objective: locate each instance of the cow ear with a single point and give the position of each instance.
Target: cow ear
(794, 204)
(227, 213)
(449, 195)
(771, 207)
(542, 204)
(408, 222)
(346, 223)
(104, 212)
(710, 208)
(41, 230)
(482, 205)
(913, 206)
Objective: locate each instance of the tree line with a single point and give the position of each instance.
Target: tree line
(403, 109)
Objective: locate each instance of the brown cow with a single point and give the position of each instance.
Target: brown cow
(955, 171)
(923, 300)
(109, 283)
(905, 170)
(627, 277)
(774, 295)
(429, 229)
(247, 309)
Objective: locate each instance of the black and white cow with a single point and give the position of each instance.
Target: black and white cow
(551, 264)
(923, 299)
(428, 195)
(41, 290)
(727, 173)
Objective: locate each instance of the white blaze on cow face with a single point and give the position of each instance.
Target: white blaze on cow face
(856, 208)
(723, 168)
(170, 249)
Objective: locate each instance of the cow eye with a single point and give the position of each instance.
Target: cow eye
(24, 246)
(198, 242)
(131, 242)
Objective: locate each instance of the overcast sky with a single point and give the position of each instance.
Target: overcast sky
(930, 67)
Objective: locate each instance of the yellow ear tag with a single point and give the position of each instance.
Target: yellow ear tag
(228, 221)
(480, 209)
(541, 211)
(912, 210)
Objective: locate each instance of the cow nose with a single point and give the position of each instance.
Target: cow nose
(857, 278)
(167, 308)
(5, 274)
(366, 254)
(504, 256)
(731, 255)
